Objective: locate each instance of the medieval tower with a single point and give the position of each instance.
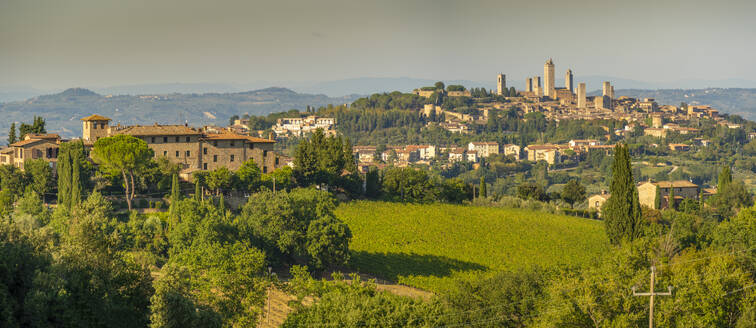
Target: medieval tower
(548, 77)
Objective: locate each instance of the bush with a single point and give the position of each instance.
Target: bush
(159, 205)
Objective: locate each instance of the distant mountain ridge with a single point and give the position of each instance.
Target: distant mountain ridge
(63, 110)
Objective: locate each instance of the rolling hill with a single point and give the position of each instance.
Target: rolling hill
(63, 110)
(429, 245)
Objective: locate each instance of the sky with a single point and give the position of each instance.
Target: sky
(59, 44)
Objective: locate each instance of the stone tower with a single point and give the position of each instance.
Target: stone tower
(94, 127)
(529, 84)
(606, 89)
(548, 79)
(568, 81)
(537, 89)
(581, 95)
(501, 84)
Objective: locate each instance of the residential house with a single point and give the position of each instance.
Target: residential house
(34, 146)
(548, 153)
(484, 149)
(512, 150)
(595, 202)
(682, 190)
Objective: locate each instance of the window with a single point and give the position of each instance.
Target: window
(232, 143)
(165, 153)
(177, 139)
(265, 153)
(177, 153)
(265, 169)
(204, 150)
(204, 166)
(215, 143)
(215, 158)
(152, 140)
(232, 158)
(188, 153)
(251, 146)
(165, 139)
(276, 160)
(188, 139)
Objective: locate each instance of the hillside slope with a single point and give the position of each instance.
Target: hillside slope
(63, 110)
(426, 246)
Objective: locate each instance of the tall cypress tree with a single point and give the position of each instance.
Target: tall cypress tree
(197, 190)
(75, 180)
(70, 157)
(483, 190)
(725, 178)
(622, 212)
(657, 198)
(175, 198)
(12, 134)
(671, 199)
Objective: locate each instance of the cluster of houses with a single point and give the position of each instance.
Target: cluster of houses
(647, 194)
(423, 154)
(194, 149)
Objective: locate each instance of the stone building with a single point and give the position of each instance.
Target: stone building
(511, 150)
(581, 95)
(501, 84)
(548, 77)
(192, 148)
(682, 190)
(595, 202)
(34, 146)
(548, 153)
(569, 81)
(484, 149)
(529, 84)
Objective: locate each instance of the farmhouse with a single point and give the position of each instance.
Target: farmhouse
(682, 190)
(34, 146)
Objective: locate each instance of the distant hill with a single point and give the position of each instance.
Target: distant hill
(729, 100)
(63, 110)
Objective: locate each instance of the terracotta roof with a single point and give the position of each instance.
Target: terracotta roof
(676, 184)
(42, 136)
(542, 147)
(23, 143)
(95, 117)
(233, 136)
(157, 130)
(6, 150)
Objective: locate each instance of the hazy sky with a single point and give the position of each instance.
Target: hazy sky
(62, 43)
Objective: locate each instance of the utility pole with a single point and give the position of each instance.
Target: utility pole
(651, 293)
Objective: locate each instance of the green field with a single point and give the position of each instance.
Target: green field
(427, 246)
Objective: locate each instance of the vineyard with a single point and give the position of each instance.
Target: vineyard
(428, 246)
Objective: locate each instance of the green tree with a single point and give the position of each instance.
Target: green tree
(71, 160)
(12, 134)
(197, 190)
(671, 199)
(483, 192)
(725, 178)
(174, 306)
(324, 160)
(439, 85)
(657, 199)
(220, 179)
(175, 198)
(123, 154)
(40, 174)
(622, 212)
(249, 176)
(328, 242)
(13, 180)
(573, 192)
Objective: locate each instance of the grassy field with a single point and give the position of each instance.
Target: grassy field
(427, 246)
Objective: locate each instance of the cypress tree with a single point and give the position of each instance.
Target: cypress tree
(75, 184)
(483, 191)
(222, 205)
(725, 178)
(64, 176)
(175, 198)
(657, 199)
(671, 199)
(622, 212)
(12, 134)
(197, 190)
